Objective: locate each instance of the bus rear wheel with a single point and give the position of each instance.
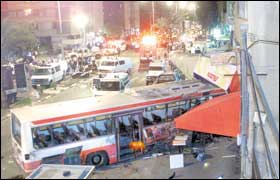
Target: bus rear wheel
(97, 159)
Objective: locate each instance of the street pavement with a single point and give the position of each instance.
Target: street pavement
(70, 89)
(221, 160)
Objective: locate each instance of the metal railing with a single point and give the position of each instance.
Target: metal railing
(249, 153)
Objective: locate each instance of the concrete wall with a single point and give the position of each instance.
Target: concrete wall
(263, 24)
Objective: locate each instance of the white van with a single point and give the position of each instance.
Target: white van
(46, 75)
(111, 82)
(155, 69)
(113, 65)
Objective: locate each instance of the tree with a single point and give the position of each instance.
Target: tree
(17, 38)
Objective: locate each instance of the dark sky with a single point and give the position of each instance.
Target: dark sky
(114, 14)
(207, 12)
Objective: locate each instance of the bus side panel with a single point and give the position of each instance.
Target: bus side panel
(105, 143)
(110, 150)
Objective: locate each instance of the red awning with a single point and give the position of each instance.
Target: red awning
(220, 116)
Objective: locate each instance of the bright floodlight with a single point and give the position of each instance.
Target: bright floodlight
(149, 40)
(169, 3)
(192, 6)
(80, 21)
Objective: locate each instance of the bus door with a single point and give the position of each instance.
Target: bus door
(128, 129)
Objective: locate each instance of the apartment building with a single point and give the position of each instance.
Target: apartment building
(44, 17)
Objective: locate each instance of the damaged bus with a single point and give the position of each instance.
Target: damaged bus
(103, 126)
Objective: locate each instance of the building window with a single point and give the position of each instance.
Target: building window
(27, 12)
(41, 13)
(45, 26)
(54, 25)
(242, 9)
(66, 27)
(12, 14)
(50, 12)
(20, 13)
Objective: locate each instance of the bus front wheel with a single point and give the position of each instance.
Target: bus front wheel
(97, 159)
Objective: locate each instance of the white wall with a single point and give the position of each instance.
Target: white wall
(263, 24)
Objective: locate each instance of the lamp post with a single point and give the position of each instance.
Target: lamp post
(60, 27)
(153, 9)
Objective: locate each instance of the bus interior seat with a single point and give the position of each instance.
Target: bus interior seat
(147, 122)
(74, 135)
(95, 130)
(81, 129)
(58, 138)
(156, 118)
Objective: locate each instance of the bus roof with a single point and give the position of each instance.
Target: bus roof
(133, 98)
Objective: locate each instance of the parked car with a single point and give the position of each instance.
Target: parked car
(110, 51)
(111, 65)
(155, 69)
(48, 74)
(168, 77)
(111, 82)
(120, 44)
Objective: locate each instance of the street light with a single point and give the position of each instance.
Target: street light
(60, 28)
(81, 21)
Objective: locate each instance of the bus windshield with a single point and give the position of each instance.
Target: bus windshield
(110, 86)
(42, 72)
(16, 129)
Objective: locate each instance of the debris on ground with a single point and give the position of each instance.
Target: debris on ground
(200, 157)
(229, 156)
(148, 166)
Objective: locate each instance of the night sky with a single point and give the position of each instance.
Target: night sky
(114, 14)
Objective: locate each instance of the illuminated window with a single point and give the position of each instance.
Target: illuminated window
(242, 9)
(27, 12)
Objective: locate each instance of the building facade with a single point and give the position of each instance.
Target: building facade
(234, 13)
(263, 43)
(131, 17)
(43, 15)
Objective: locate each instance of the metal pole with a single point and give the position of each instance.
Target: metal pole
(84, 37)
(244, 109)
(153, 9)
(176, 6)
(60, 27)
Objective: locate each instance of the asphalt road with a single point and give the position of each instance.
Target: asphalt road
(221, 160)
(70, 89)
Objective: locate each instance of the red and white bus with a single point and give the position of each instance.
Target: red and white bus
(103, 126)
